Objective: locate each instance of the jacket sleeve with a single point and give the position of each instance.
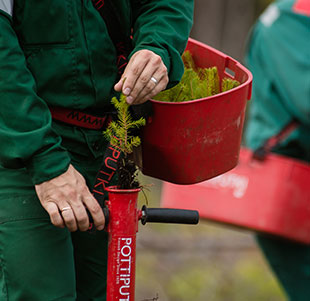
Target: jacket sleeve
(26, 136)
(163, 27)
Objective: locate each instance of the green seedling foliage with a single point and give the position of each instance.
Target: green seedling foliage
(196, 83)
(119, 134)
(228, 84)
(188, 60)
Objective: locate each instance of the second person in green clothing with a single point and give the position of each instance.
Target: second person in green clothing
(279, 57)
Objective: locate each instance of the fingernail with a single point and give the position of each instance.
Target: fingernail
(129, 99)
(100, 227)
(127, 91)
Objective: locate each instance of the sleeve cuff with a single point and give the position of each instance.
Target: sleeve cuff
(48, 165)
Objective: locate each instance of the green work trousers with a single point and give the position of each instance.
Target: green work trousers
(39, 262)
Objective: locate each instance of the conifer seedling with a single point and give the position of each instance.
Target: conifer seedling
(120, 134)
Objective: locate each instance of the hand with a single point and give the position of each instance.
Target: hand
(65, 198)
(144, 77)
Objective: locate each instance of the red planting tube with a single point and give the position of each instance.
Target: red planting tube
(122, 229)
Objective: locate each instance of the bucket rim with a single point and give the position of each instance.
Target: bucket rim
(227, 58)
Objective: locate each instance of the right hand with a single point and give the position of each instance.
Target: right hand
(70, 192)
(137, 82)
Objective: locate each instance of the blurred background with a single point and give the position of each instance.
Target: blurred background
(208, 262)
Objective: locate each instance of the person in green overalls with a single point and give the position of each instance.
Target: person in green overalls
(279, 58)
(58, 53)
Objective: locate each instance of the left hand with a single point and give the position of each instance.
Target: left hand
(144, 77)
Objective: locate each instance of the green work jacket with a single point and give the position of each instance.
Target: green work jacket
(58, 52)
(279, 58)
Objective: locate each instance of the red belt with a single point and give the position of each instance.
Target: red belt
(79, 118)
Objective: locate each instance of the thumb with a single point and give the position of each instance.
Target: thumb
(118, 86)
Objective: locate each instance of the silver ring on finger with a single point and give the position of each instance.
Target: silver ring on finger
(154, 80)
(65, 208)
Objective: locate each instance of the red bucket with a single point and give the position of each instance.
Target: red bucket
(189, 142)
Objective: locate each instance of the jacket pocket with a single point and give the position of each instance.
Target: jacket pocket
(55, 70)
(39, 22)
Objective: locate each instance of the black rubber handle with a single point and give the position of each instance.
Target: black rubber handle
(165, 215)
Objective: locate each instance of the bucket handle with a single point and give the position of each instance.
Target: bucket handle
(231, 66)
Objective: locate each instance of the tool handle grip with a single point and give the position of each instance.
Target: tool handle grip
(165, 215)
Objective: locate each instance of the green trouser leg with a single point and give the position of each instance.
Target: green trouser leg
(39, 262)
(90, 254)
(291, 263)
(31, 267)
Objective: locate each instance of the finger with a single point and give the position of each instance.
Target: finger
(95, 210)
(153, 88)
(67, 201)
(153, 93)
(118, 86)
(134, 70)
(144, 84)
(66, 213)
(80, 214)
(53, 211)
(161, 85)
(68, 217)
